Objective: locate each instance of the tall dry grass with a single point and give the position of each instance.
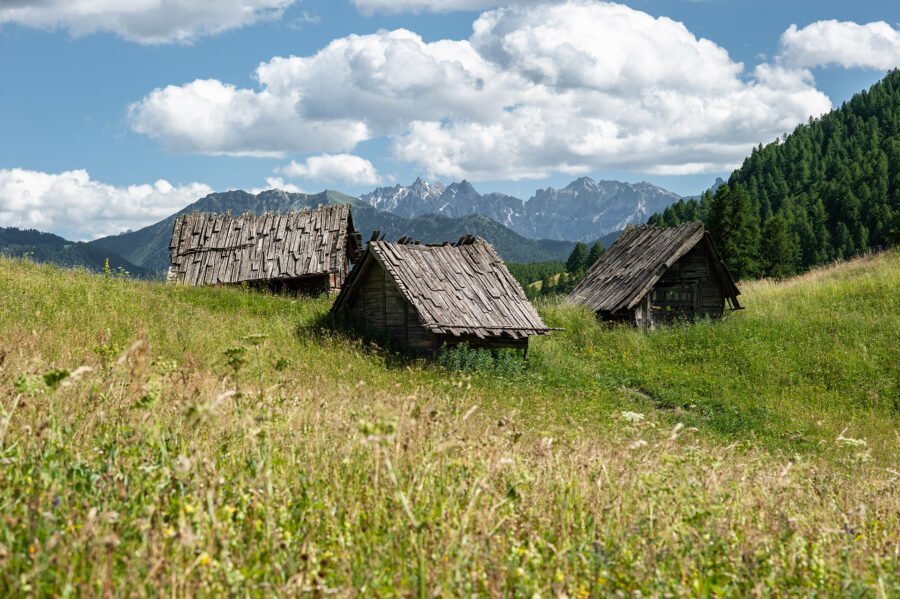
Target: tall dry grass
(198, 445)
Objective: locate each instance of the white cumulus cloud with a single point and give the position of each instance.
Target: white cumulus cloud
(77, 207)
(825, 43)
(142, 21)
(343, 168)
(566, 87)
(210, 117)
(398, 6)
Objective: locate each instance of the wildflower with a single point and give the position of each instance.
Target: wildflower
(560, 577)
(169, 532)
(188, 508)
(849, 441)
(203, 559)
(520, 572)
(632, 417)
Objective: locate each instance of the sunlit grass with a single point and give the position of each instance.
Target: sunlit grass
(212, 441)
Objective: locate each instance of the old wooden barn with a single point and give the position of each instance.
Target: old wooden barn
(424, 296)
(653, 274)
(305, 252)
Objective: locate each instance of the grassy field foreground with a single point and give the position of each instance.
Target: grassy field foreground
(206, 441)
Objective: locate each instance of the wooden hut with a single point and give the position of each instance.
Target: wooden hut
(305, 252)
(653, 274)
(424, 296)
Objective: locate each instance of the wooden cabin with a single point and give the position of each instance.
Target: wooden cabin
(652, 275)
(424, 296)
(307, 252)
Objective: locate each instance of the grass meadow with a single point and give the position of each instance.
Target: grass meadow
(198, 442)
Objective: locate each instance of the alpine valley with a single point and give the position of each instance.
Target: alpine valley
(544, 228)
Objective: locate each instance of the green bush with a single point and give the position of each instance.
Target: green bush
(463, 358)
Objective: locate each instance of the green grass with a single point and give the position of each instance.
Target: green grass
(219, 441)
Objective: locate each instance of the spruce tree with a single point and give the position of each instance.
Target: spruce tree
(735, 230)
(778, 249)
(577, 259)
(546, 285)
(835, 180)
(594, 255)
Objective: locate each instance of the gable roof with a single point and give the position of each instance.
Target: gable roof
(458, 289)
(209, 249)
(622, 276)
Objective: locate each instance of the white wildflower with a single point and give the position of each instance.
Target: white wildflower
(850, 441)
(632, 417)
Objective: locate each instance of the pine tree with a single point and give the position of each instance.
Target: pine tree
(735, 230)
(835, 180)
(546, 285)
(577, 259)
(594, 255)
(778, 249)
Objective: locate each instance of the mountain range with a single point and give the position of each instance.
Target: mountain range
(544, 228)
(583, 210)
(149, 247)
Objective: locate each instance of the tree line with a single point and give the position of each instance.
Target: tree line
(828, 191)
(556, 277)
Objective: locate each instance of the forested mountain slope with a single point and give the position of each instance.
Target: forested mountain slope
(46, 247)
(829, 190)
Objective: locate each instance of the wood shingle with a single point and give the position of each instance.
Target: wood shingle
(444, 294)
(221, 249)
(652, 271)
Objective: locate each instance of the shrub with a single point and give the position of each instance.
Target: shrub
(463, 358)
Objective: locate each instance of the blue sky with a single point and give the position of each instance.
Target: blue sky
(104, 129)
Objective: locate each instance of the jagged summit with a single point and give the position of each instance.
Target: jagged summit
(583, 210)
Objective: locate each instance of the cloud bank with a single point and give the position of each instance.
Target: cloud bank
(399, 6)
(79, 208)
(142, 21)
(842, 43)
(566, 87)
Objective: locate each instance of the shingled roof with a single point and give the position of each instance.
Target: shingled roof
(622, 276)
(210, 249)
(456, 289)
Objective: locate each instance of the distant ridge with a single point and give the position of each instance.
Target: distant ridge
(47, 247)
(149, 247)
(583, 210)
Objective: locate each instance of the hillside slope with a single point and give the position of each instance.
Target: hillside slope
(218, 441)
(46, 247)
(829, 190)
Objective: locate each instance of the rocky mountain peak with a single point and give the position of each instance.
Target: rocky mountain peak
(583, 210)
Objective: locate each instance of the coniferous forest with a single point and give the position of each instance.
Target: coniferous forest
(828, 191)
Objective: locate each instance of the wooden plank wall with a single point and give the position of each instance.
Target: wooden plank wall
(378, 307)
(692, 275)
